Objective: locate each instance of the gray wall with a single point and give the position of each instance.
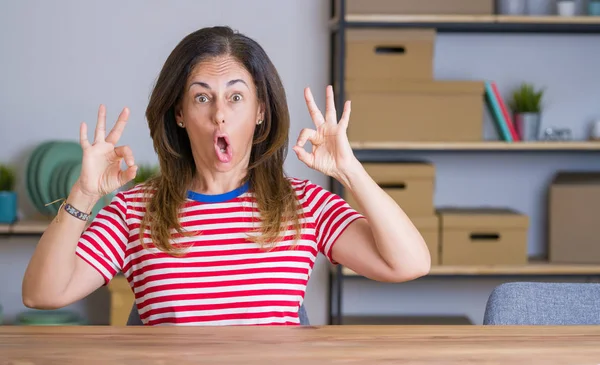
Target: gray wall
(61, 59)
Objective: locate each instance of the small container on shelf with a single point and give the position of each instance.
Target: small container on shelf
(511, 7)
(595, 130)
(541, 7)
(594, 8)
(566, 7)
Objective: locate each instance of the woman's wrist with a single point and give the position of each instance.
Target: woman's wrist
(80, 200)
(349, 173)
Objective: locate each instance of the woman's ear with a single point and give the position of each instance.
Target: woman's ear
(179, 115)
(260, 116)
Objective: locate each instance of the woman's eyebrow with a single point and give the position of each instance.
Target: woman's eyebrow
(229, 83)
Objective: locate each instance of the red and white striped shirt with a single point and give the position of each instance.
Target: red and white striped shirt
(224, 278)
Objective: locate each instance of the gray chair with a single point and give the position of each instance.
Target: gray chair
(134, 317)
(528, 303)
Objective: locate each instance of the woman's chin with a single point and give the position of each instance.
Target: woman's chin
(223, 166)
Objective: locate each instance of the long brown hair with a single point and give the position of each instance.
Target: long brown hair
(275, 197)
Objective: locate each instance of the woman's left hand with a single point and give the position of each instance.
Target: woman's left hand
(331, 152)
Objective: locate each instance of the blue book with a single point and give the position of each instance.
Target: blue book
(496, 112)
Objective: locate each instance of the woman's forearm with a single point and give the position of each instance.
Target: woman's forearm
(53, 262)
(398, 241)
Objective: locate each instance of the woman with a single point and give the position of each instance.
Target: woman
(227, 238)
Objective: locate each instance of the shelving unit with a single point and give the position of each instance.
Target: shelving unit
(29, 227)
(475, 23)
(538, 267)
(391, 151)
(478, 146)
(535, 268)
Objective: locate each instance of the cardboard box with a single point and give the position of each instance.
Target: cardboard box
(420, 7)
(389, 54)
(574, 218)
(429, 227)
(483, 236)
(121, 300)
(410, 184)
(416, 111)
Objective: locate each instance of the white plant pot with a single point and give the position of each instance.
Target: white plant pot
(528, 125)
(566, 8)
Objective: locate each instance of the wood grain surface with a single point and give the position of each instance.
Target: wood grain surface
(300, 345)
(479, 146)
(535, 269)
(449, 18)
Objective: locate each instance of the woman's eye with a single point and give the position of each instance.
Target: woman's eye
(236, 97)
(201, 98)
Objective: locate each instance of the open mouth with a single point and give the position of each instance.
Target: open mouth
(223, 148)
(222, 144)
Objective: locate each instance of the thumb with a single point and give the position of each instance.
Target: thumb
(126, 176)
(304, 156)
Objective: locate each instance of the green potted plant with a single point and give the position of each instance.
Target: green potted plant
(526, 105)
(144, 172)
(8, 195)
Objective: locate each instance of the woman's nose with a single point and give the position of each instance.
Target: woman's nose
(219, 116)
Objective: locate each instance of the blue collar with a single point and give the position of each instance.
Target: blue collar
(218, 198)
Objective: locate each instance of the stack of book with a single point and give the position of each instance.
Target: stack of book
(500, 113)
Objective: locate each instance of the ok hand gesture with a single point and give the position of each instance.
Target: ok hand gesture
(331, 152)
(101, 166)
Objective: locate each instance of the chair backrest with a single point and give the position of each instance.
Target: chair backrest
(528, 303)
(134, 317)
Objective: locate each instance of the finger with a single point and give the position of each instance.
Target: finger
(306, 135)
(330, 112)
(117, 130)
(83, 138)
(345, 119)
(100, 125)
(126, 154)
(126, 176)
(304, 156)
(314, 111)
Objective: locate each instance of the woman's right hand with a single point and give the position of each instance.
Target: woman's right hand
(101, 165)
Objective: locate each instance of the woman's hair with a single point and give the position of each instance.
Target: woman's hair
(275, 197)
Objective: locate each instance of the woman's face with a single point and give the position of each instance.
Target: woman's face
(220, 111)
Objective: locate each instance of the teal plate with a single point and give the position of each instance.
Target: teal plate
(53, 157)
(62, 180)
(72, 176)
(57, 185)
(31, 175)
(56, 191)
(48, 318)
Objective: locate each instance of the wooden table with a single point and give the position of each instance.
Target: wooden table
(300, 345)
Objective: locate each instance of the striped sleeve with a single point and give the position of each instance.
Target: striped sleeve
(332, 216)
(103, 243)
